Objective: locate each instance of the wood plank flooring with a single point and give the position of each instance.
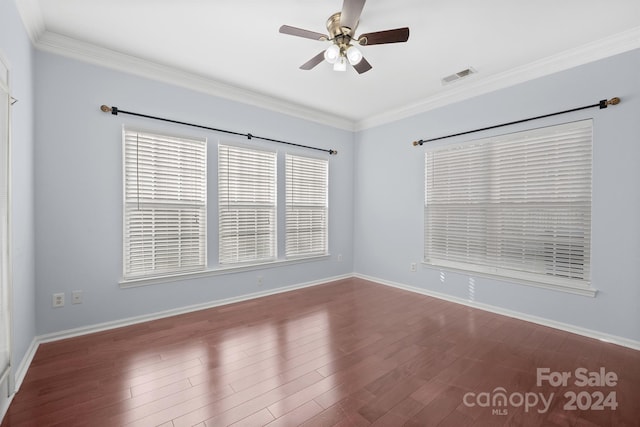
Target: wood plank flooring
(348, 353)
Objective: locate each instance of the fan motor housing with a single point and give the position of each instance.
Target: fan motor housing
(336, 31)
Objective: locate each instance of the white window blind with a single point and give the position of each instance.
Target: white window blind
(306, 206)
(517, 205)
(247, 205)
(165, 188)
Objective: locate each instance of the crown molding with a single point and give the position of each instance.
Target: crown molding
(458, 91)
(86, 52)
(31, 15)
(476, 85)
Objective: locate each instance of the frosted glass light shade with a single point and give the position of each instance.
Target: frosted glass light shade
(354, 55)
(332, 54)
(341, 64)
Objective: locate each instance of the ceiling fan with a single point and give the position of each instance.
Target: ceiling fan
(342, 27)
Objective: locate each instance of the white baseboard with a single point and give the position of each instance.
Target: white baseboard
(625, 342)
(84, 330)
(5, 398)
(23, 367)
(13, 384)
(4, 405)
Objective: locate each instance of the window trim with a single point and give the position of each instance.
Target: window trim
(503, 272)
(274, 207)
(161, 134)
(588, 291)
(220, 271)
(325, 208)
(215, 268)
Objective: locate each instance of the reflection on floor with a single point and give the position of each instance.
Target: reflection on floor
(348, 353)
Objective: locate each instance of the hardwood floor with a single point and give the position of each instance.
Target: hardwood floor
(348, 353)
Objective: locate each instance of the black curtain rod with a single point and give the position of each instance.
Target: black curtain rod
(115, 111)
(602, 104)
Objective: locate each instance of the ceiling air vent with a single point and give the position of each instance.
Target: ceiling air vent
(457, 76)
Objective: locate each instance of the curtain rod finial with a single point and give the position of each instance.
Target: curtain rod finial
(416, 143)
(106, 109)
(333, 152)
(606, 102)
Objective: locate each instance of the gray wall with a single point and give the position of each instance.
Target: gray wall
(78, 183)
(16, 48)
(390, 194)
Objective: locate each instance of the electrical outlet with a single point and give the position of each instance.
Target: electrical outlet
(58, 300)
(413, 267)
(76, 297)
(259, 281)
(339, 257)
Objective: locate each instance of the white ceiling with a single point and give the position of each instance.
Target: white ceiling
(233, 47)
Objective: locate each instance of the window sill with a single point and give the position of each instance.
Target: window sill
(586, 290)
(146, 281)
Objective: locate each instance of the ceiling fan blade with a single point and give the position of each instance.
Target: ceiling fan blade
(363, 66)
(313, 61)
(299, 32)
(350, 15)
(398, 35)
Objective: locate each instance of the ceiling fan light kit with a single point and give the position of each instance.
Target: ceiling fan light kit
(341, 27)
(341, 65)
(332, 54)
(354, 55)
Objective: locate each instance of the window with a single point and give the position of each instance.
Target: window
(247, 205)
(516, 205)
(165, 204)
(306, 206)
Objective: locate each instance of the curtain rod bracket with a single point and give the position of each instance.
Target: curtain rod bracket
(602, 104)
(249, 136)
